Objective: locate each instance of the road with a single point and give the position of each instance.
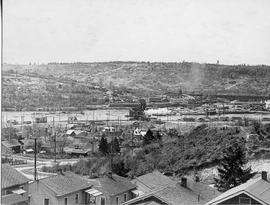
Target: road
(28, 169)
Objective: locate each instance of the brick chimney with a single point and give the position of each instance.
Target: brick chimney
(264, 175)
(184, 182)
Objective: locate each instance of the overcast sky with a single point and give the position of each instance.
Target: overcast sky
(41, 31)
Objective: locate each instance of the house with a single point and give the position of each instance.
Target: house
(12, 145)
(14, 187)
(76, 152)
(111, 190)
(65, 188)
(139, 133)
(151, 181)
(186, 192)
(157, 99)
(108, 129)
(76, 133)
(255, 191)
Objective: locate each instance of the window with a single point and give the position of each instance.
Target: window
(102, 201)
(77, 198)
(117, 200)
(46, 201)
(66, 201)
(244, 201)
(125, 197)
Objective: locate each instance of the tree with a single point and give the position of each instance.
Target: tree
(61, 143)
(173, 133)
(119, 168)
(9, 133)
(148, 138)
(158, 136)
(103, 146)
(115, 147)
(142, 104)
(231, 171)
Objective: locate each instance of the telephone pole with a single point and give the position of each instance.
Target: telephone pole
(35, 163)
(54, 134)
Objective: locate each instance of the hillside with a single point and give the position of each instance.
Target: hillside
(79, 80)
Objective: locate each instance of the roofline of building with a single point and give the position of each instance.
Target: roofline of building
(122, 192)
(152, 193)
(16, 184)
(235, 194)
(60, 195)
(144, 196)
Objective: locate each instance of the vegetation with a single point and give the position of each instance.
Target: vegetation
(202, 147)
(103, 146)
(80, 84)
(231, 171)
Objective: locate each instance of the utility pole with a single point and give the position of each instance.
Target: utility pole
(54, 133)
(35, 163)
(111, 156)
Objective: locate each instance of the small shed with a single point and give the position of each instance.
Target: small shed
(13, 145)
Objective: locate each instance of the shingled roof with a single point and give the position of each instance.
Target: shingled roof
(12, 199)
(66, 183)
(11, 143)
(151, 181)
(195, 193)
(12, 177)
(258, 189)
(114, 185)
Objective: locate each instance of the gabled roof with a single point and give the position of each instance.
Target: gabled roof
(69, 132)
(172, 194)
(257, 189)
(12, 199)
(196, 193)
(65, 183)
(11, 177)
(151, 181)
(114, 185)
(11, 143)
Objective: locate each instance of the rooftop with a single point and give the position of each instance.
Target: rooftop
(114, 185)
(195, 193)
(12, 199)
(151, 181)
(11, 143)
(66, 183)
(12, 177)
(258, 188)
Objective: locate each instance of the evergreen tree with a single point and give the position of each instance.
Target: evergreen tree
(148, 137)
(103, 146)
(115, 147)
(158, 136)
(231, 171)
(142, 104)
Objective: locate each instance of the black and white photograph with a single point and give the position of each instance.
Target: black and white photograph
(135, 102)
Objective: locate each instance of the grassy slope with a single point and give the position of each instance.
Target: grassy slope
(143, 78)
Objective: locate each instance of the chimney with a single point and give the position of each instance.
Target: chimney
(184, 182)
(264, 175)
